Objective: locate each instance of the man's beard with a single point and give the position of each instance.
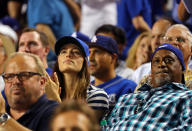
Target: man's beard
(160, 81)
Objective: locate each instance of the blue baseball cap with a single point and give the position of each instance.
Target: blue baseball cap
(69, 39)
(12, 22)
(173, 49)
(81, 36)
(104, 42)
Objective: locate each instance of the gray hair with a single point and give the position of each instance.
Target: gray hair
(181, 26)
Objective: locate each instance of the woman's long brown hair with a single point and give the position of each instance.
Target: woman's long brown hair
(83, 82)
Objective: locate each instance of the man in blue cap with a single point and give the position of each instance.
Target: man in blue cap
(118, 34)
(103, 59)
(164, 105)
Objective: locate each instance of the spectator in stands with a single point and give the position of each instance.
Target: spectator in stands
(6, 48)
(134, 16)
(184, 11)
(103, 57)
(180, 14)
(117, 33)
(179, 36)
(35, 42)
(73, 75)
(158, 31)
(10, 8)
(96, 13)
(119, 36)
(74, 115)
(73, 58)
(24, 77)
(51, 17)
(165, 105)
(140, 51)
(8, 39)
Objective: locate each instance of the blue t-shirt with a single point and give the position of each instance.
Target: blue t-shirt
(53, 13)
(156, 9)
(117, 87)
(127, 10)
(37, 118)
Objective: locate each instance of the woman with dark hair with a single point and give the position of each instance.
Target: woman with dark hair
(72, 68)
(73, 75)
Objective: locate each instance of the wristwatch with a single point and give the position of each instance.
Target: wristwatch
(4, 118)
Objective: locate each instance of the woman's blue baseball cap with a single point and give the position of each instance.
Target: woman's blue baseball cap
(70, 39)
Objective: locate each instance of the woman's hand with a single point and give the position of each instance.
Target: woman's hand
(52, 88)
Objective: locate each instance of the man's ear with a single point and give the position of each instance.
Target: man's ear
(47, 49)
(43, 82)
(114, 58)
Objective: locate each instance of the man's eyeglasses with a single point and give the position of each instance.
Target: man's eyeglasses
(22, 76)
(176, 39)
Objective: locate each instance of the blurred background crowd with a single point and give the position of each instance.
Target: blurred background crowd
(128, 30)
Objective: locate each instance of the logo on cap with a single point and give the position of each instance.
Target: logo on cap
(94, 39)
(74, 35)
(163, 46)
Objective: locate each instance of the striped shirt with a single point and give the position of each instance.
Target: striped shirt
(165, 108)
(97, 98)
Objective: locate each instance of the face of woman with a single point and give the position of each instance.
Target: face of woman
(70, 59)
(143, 50)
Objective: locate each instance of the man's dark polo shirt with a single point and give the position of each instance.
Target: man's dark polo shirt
(37, 118)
